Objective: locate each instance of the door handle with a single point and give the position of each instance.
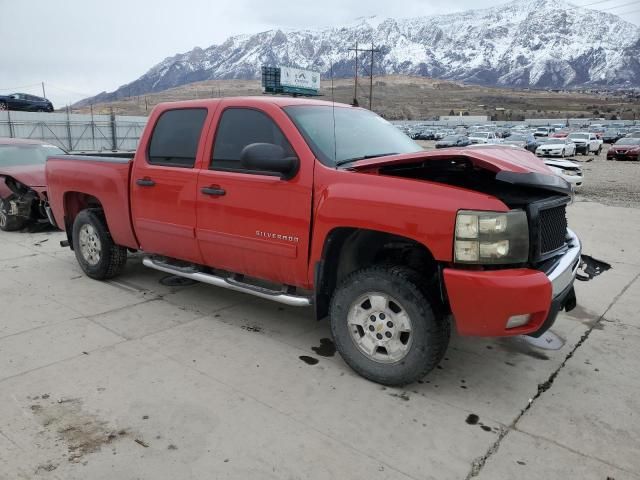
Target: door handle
(213, 190)
(145, 182)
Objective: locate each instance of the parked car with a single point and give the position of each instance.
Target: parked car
(570, 171)
(560, 134)
(627, 148)
(635, 134)
(453, 141)
(556, 147)
(483, 137)
(398, 242)
(522, 140)
(25, 102)
(543, 132)
(22, 181)
(423, 135)
(611, 135)
(586, 142)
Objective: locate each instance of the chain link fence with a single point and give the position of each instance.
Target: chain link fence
(75, 132)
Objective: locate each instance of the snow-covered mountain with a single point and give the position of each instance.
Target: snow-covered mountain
(524, 43)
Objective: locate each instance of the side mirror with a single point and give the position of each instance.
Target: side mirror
(270, 158)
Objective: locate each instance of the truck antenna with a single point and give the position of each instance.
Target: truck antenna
(333, 111)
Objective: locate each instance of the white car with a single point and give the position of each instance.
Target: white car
(483, 137)
(543, 132)
(556, 147)
(586, 142)
(568, 170)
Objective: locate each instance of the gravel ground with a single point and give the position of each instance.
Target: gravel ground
(611, 183)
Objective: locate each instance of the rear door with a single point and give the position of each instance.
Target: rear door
(255, 223)
(163, 185)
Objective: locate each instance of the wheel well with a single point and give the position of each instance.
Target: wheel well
(349, 249)
(74, 203)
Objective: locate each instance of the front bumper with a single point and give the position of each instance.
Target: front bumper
(483, 302)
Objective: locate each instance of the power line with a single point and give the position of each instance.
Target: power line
(595, 3)
(22, 86)
(631, 11)
(620, 6)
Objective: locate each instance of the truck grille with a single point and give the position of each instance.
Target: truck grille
(553, 229)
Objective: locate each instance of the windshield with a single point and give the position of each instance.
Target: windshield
(581, 136)
(628, 141)
(450, 138)
(14, 155)
(554, 140)
(516, 138)
(480, 135)
(358, 133)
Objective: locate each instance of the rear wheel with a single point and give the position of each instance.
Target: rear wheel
(385, 327)
(8, 222)
(3, 106)
(95, 251)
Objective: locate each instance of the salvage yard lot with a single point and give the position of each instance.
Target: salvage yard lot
(135, 379)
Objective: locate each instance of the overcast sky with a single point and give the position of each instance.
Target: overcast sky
(83, 47)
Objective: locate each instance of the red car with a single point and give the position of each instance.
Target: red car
(627, 148)
(22, 181)
(311, 203)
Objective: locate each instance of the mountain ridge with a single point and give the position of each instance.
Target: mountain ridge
(539, 44)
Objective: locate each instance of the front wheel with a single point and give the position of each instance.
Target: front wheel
(384, 326)
(8, 222)
(95, 251)
(3, 106)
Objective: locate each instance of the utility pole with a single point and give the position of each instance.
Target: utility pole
(371, 77)
(355, 78)
(44, 95)
(371, 51)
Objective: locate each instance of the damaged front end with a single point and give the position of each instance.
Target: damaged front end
(510, 297)
(21, 204)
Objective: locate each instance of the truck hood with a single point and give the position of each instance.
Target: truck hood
(495, 158)
(510, 164)
(29, 175)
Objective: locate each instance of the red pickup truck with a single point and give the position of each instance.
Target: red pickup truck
(308, 202)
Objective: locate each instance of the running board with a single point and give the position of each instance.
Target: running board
(229, 283)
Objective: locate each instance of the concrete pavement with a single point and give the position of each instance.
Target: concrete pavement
(135, 379)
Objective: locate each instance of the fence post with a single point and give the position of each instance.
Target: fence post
(11, 132)
(114, 137)
(70, 142)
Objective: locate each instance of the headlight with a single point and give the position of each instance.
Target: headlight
(491, 237)
(571, 173)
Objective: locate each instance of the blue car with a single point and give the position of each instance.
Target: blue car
(25, 102)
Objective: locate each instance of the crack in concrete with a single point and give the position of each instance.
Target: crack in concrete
(479, 463)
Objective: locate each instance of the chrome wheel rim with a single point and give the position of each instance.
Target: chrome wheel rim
(90, 246)
(380, 327)
(3, 214)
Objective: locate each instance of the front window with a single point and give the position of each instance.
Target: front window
(628, 141)
(15, 155)
(356, 134)
(579, 136)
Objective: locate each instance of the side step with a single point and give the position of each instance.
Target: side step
(229, 283)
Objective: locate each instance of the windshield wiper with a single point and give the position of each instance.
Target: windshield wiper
(364, 157)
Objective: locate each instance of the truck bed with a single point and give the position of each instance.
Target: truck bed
(75, 176)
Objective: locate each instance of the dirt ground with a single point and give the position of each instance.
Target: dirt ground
(612, 183)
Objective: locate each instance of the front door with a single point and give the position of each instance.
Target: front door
(163, 186)
(248, 222)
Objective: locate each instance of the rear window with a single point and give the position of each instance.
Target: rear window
(175, 138)
(14, 155)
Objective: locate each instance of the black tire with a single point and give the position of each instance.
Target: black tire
(430, 332)
(3, 106)
(10, 223)
(111, 258)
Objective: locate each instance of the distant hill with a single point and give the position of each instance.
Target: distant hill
(404, 97)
